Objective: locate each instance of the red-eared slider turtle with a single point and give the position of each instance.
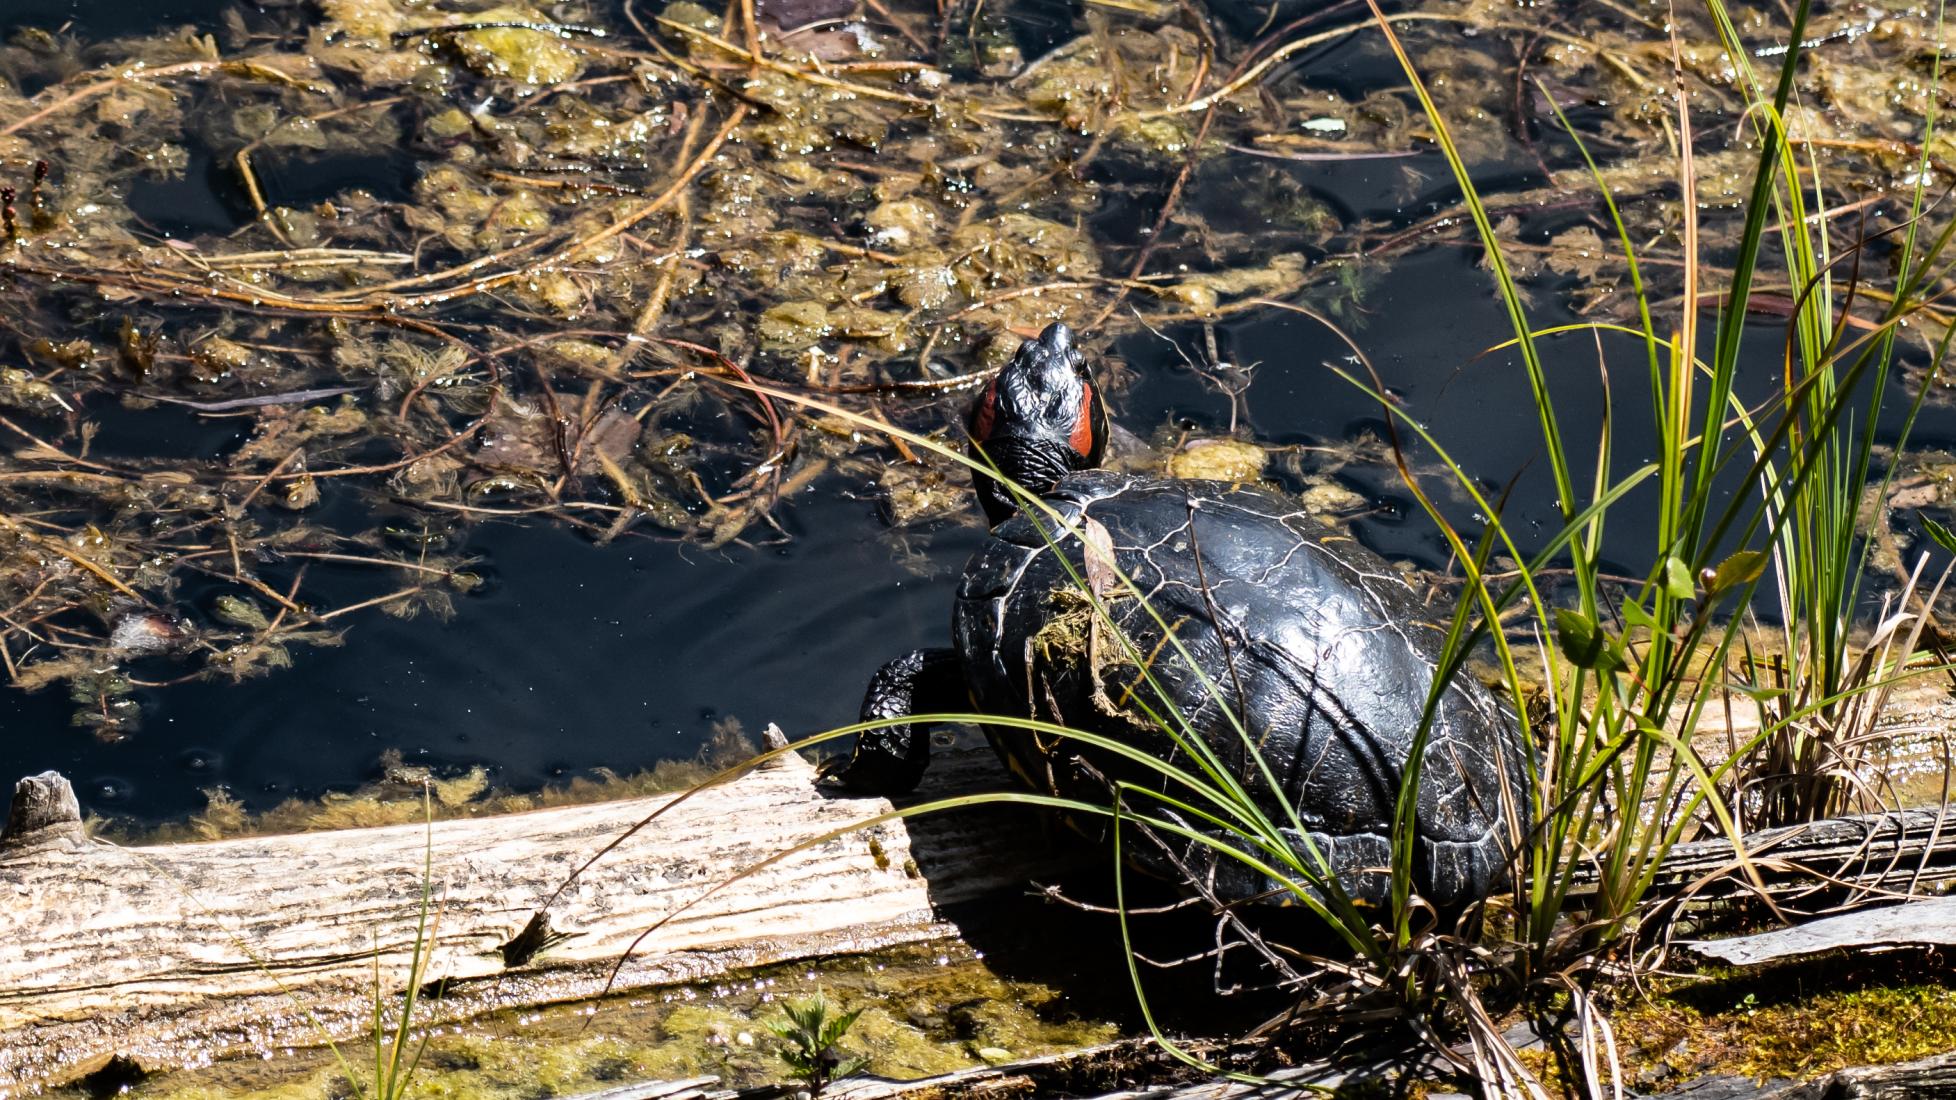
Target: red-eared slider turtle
(1316, 643)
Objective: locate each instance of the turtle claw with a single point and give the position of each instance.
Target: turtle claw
(870, 773)
(834, 771)
(890, 759)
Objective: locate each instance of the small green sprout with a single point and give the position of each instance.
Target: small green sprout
(809, 1035)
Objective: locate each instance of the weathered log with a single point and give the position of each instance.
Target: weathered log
(44, 813)
(1050, 1075)
(1903, 851)
(1920, 1080)
(695, 1088)
(1151, 1073)
(175, 954)
(1139, 1068)
(1932, 1078)
(1930, 922)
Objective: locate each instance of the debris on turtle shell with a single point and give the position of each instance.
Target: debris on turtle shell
(1232, 460)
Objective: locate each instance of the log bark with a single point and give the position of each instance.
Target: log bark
(174, 954)
(1932, 1078)
(1930, 922)
(1906, 851)
(694, 1088)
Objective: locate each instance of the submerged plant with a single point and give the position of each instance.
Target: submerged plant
(809, 1034)
(537, 315)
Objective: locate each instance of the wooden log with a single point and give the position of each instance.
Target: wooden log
(1144, 1071)
(1049, 1075)
(44, 814)
(1932, 1078)
(1903, 851)
(1929, 1077)
(175, 954)
(1930, 922)
(693, 1088)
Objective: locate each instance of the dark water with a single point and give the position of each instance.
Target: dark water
(577, 656)
(208, 198)
(98, 19)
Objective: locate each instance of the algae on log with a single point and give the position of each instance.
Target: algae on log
(175, 954)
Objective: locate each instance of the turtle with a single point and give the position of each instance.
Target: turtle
(1317, 645)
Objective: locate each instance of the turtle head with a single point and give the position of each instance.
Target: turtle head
(1040, 419)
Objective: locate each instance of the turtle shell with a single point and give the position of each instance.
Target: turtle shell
(1315, 643)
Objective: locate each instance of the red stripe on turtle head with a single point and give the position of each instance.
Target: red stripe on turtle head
(985, 413)
(1085, 439)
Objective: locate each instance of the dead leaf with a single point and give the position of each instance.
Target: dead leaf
(1103, 574)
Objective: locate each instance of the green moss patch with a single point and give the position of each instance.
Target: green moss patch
(926, 1010)
(1796, 1020)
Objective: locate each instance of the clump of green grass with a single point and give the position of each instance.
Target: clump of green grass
(1631, 680)
(399, 1038)
(398, 1032)
(1628, 680)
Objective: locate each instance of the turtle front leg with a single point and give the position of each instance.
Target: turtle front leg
(891, 760)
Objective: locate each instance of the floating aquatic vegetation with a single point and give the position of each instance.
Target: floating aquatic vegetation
(396, 797)
(577, 240)
(1232, 460)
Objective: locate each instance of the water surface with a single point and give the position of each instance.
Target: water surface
(577, 656)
